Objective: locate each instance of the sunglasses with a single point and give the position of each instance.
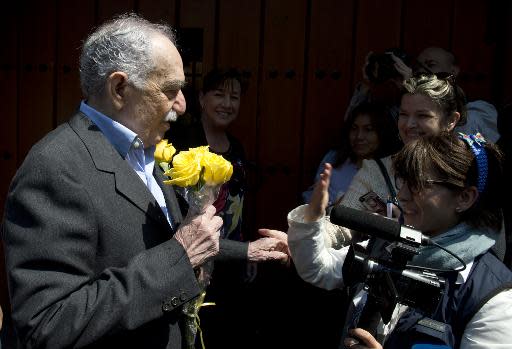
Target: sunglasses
(449, 77)
(399, 183)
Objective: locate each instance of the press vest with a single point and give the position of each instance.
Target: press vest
(460, 302)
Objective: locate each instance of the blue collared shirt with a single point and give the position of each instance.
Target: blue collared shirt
(131, 148)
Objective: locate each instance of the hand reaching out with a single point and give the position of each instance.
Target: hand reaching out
(272, 247)
(401, 67)
(320, 197)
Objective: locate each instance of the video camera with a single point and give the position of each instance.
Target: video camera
(381, 66)
(387, 276)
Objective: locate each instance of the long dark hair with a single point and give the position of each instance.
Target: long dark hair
(384, 125)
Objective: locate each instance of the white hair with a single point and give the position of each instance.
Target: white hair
(122, 44)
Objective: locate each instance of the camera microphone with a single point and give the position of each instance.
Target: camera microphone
(376, 225)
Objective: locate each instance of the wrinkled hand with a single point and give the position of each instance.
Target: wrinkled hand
(272, 247)
(320, 197)
(401, 67)
(199, 236)
(363, 340)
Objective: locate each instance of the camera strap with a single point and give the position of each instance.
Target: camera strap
(391, 188)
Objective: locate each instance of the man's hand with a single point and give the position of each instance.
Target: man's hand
(272, 247)
(401, 67)
(199, 236)
(363, 340)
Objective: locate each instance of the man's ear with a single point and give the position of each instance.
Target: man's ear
(467, 198)
(116, 86)
(452, 121)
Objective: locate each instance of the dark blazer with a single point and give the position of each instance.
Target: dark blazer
(90, 256)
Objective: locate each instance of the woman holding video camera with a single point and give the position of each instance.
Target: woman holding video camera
(454, 200)
(430, 106)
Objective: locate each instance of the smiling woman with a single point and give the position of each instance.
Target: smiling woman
(438, 191)
(218, 106)
(429, 106)
(456, 201)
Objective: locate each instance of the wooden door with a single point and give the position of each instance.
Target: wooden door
(37, 72)
(69, 42)
(281, 104)
(238, 46)
(328, 83)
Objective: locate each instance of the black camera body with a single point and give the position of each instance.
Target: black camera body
(389, 281)
(381, 66)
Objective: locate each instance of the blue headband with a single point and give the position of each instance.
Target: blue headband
(476, 143)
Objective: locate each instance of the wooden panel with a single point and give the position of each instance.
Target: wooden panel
(8, 109)
(377, 29)
(8, 131)
(69, 43)
(37, 64)
(158, 10)
(281, 109)
(201, 14)
(238, 43)
(328, 80)
(503, 56)
(425, 24)
(111, 8)
(474, 51)
(239, 30)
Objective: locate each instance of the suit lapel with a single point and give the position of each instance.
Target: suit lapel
(107, 159)
(171, 201)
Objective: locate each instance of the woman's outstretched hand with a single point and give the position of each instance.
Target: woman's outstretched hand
(320, 197)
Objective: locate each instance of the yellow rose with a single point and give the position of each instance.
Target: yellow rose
(200, 151)
(186, 168)
(217, 170)
(164, 152)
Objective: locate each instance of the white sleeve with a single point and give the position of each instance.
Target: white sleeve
(491, 327)
(368, 178)
(315, 263)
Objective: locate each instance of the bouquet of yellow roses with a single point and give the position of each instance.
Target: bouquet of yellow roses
(198, 175)
(197, 172)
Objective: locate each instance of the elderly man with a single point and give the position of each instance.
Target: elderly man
(97, 252)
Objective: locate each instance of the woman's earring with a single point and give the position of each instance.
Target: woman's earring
(458, 209)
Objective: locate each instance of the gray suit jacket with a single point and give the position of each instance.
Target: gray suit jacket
(90, 256)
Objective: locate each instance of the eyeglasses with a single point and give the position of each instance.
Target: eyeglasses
(399, 183)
